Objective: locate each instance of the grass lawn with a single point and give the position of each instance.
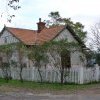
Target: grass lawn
(16, 84)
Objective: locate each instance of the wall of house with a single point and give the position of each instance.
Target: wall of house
(7, 38)
(78, 59)
(76, 56)
(15, 57)
(65, 34)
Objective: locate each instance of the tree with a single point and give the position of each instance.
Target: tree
(97, 58)
(77, 27)
(90, 58)
(95, 41)
(22, 51)
(55, 16)
(12, 4)
(38, 55)
(56, 19)
(58, 51)
(6, 52)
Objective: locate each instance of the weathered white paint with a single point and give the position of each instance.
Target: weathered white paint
(7, 38)
(81, 75)
(15, 58)
(78, 59)
(76, 56)
(65, 34)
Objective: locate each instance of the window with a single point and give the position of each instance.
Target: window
(65, 59)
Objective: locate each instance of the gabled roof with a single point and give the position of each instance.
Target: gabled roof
(24, 35)
(30, 37)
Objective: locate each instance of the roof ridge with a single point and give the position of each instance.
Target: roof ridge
(56, 26)
(36, 30)
(27, 35)
(21, 28)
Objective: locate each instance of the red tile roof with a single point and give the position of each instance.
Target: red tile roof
(30, 37)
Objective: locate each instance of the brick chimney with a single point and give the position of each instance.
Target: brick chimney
(41, 25)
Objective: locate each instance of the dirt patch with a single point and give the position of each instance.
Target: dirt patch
(8, 89)
(91, 90)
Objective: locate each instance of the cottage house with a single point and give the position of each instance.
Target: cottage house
(41, 35)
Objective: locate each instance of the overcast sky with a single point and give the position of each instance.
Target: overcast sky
(84, 11)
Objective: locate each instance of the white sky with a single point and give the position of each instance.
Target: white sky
(84, 11)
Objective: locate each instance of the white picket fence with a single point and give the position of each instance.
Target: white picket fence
(78, 75)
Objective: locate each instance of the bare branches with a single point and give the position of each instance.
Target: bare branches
(6, 14)
(11, 3)
(96, 36)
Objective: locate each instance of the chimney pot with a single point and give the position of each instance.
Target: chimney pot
(41, 25)
(39, 19)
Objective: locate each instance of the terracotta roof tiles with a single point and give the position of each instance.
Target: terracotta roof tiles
(29, 37)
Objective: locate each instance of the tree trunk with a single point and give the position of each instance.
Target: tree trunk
(21, 64)
(20, 74)
(7, 76)
(62, 75)
(7, 66)
(5, 71)
(40, 75)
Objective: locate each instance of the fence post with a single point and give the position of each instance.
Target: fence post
(81, 73)
(97, 73)
(32, 73)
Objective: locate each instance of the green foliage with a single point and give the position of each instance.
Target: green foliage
(62, 46)
(21, 48)
(56, 19)
(21, 53)
(5, 65)
(55, 16)
(98, 58)
(77, 27)
(90, 57)
(58, 50)
(38, 54)
(6, 48)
